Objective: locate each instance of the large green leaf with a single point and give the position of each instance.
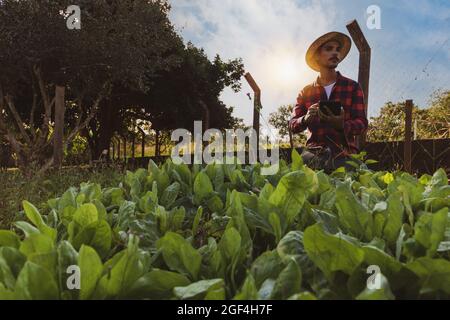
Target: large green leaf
(7, 278)
(35, 283)
(35, 217)
(179, 255)
(288, 282)
(67, 257)
(86, 228)
(291, 245)
(394, 218)
(198, 290)
(9, 239)
(353, 216)
(36, 243)
(13, 258)
(331, 252)
(297, 160)
(248, 290)
(6, 294)
(388, 264)
(170, 194)
(291, 192)
(430, 230)
(123, 271)
(267, 265)
(274, 221)
(434, 273)
(90, 270)
(27, 228)
(230, 243)
(439, 178)
(86, 215)
(202, 187)
(157, 284)
(436, 198)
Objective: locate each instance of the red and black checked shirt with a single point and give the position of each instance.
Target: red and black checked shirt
(350, 94)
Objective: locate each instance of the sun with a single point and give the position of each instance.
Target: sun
(285, 70)
(288, 70)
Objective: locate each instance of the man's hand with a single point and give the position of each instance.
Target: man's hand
(313, 111)
(337, 122)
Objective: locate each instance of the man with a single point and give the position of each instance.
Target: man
(330, 138)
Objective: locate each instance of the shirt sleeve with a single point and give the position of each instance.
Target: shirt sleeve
(296, 123)
(357, 123)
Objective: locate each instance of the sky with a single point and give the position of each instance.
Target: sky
(410, 52)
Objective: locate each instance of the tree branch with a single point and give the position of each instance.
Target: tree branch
(81, 125)
(18, 119)
(44, 94)
(46, 166)
(33, 109)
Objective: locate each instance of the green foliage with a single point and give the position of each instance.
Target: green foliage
(429, 123)
(280, 119)
(223, 232)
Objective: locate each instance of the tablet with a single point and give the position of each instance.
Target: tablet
(334, 106)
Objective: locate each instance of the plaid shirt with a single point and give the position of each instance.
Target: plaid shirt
(350, 94)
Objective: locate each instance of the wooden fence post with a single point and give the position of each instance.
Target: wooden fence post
(256, 106)
(113, 149)
(124, 148)
(364, 68)
(118, 149)
(408, 133)
(60, 107)
(142, 144)
(133, 145)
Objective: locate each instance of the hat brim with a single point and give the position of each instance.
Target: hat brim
(342, 38)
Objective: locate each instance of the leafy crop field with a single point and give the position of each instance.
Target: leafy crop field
(227, 232)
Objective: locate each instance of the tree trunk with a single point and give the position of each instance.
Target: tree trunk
(133, 145)
(291, 141)
(113, 150)
(206, 115)
(156, 143)
(124, 148)
(143, 144)
(104, 127)
(118, 149)
(60, 108)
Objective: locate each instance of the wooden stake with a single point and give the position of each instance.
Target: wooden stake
(256, 105)
(408, 134)
(364, 67)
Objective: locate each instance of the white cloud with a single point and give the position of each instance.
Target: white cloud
(273, 36)
(270, 36)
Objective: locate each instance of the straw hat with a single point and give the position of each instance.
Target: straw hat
(342, 38)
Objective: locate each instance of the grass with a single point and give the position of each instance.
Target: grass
(16, 188)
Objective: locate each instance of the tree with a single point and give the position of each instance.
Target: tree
(175, 99)
(430, 123)
(43, 62)
(436, 124)
(280, 121)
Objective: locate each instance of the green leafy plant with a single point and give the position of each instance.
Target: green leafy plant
(227, 232)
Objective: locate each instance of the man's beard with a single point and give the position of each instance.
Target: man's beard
(333, 65)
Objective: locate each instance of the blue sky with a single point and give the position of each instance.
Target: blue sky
(410, 53)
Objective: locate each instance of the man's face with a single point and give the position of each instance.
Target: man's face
(329, 54)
